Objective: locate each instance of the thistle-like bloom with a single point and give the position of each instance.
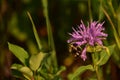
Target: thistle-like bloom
(91, 35)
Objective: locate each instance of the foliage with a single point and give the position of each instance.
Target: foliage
(41, 59)
(31, 69)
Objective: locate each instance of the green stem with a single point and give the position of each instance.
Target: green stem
(35, 75)
(93, 59)
(89, 8)
(112, 9)
(99, 73)
(50, 36)
(113, 27)
(97, 68)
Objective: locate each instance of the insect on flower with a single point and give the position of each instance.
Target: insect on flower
(75, 50)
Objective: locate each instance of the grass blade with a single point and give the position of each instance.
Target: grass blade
(50, 36)
(35, 32)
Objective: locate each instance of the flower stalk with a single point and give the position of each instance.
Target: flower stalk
(97, 68)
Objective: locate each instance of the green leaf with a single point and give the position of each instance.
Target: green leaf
(57, 78)
(35, 60)
(26, 72)
(40, 78)
(17, 74)
(19, 52)
(105, 55)
(79, 71)
(15, 70)
(62, 68)
(35, 31)
(16, 66)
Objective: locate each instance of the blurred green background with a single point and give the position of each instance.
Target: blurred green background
(15, 27)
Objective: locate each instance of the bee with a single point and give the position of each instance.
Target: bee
(75, 50)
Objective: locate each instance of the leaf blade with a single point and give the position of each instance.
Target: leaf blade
(105, 55)
(19, 52)
(79, 71)
(35, 32)
(24, 70)
(35, 60)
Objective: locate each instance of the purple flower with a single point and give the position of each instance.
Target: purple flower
(91, 35)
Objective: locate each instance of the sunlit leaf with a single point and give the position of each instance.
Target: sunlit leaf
(21, 71)
(35, 60)
(16, 66)
(26, 72)
(19, 52)
(79, 71)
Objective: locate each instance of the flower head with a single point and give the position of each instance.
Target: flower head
(91, 35)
